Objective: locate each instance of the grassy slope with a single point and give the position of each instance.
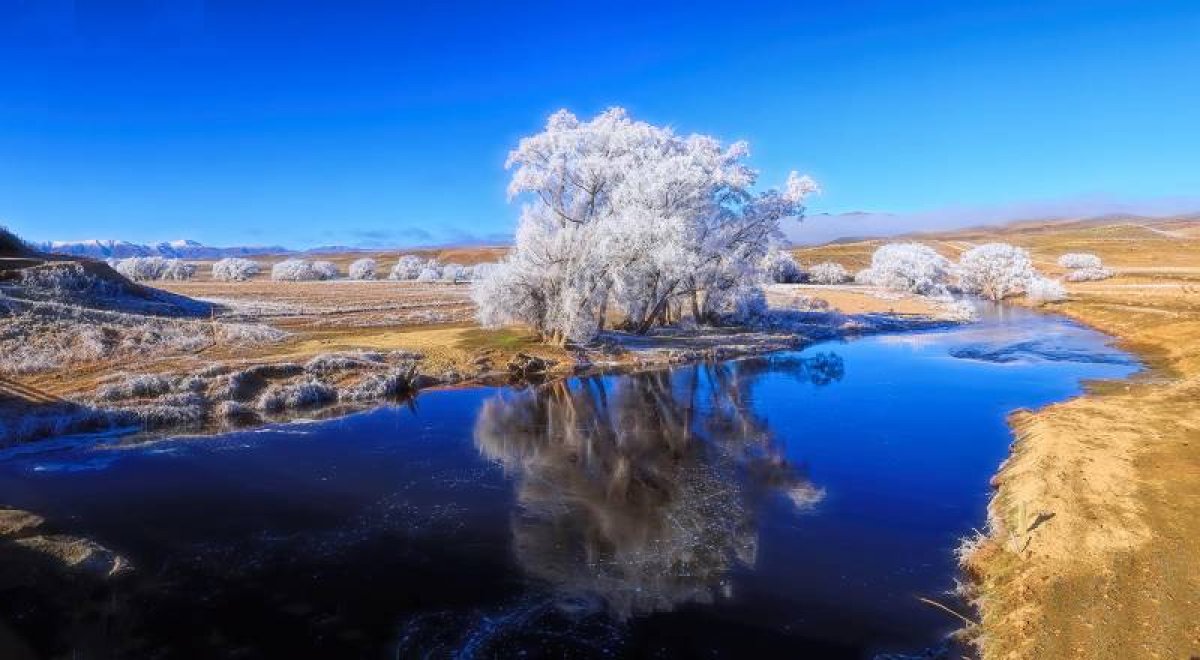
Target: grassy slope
(1091, 550)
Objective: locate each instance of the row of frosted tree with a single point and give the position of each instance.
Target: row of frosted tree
(236, 269)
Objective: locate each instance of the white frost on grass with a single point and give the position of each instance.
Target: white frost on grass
(1089, 274)
(1079, 260)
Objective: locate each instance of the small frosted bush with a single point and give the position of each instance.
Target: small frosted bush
(233, 269)
(1044, 290)
(781, 267)
(407, 268)
(294, 270)
(380, 386)
(481, 271)
(299, 395)
(1089, 274)
(864, 276)
(142, 268)
(429, 275)
(178, 271)
(910, 268)
(1079, 260)
(828, 273)
(326, 270)
(995, 270)
(452, 272)
(363, 269)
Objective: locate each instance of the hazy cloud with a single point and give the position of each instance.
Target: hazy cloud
(825, 227)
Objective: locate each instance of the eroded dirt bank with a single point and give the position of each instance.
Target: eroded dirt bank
(1092, 549)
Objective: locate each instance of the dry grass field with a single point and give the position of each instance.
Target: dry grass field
(1091, 550)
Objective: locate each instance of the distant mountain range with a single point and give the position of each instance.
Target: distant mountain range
(181, 249)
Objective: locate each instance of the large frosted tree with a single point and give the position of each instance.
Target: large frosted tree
(631, 221)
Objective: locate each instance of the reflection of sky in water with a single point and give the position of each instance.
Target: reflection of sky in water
(800, 500)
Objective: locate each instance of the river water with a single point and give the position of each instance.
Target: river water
(794, 506)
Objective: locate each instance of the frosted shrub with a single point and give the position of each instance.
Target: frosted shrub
(178, 270)
(298, 395)
(995, 270)
(781, 267)
(294, 270)
(1089, 274)
(233, 269)
(326, 270)
(480, 271)
(407, 268)
(453, 272)
(1044, 290)
(864, 276)
(910, 268)
(828, 273)
(1079, 260)
(429, 275)
(363, 269)
(142, 268)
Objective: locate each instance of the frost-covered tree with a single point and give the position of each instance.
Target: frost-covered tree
(429, 275)
(910, 268)
(828, 273)
(1079, 260)
(452, 272)
(325, 270)
(995, 270)
(233, 269)
(363, 269)
(780, 267)
(407, 268)
(631, 220)
(1044, 290)
(1089, 274)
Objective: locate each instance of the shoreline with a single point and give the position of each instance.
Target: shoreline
(616, 353)
(1085, 553)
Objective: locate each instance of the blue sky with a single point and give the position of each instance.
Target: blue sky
(375, 123)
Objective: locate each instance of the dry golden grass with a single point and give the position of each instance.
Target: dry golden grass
(1092, 550)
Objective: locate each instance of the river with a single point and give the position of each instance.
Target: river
(794, 505)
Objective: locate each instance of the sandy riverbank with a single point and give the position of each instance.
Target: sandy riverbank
(1090, 551)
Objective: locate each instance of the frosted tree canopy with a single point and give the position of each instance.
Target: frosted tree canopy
(633, 223)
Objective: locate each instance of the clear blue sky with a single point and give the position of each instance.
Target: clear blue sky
(355, 122)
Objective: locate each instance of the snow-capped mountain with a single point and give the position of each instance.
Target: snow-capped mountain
(180, 249)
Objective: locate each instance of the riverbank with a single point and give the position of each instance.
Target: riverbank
(340, 355)
(1090, 549)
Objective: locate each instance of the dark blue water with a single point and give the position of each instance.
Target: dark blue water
(792, 506)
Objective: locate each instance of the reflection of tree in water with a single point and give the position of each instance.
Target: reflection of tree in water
(642, 490)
